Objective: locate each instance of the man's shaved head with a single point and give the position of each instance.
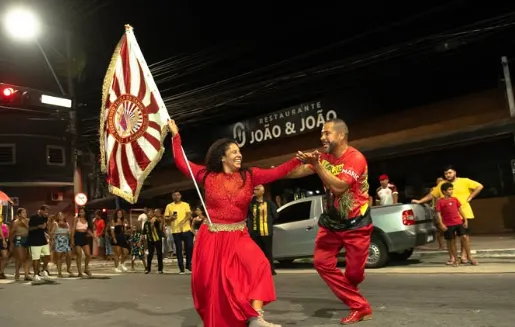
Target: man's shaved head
(339, 126)
(334, 136)
(259, 191)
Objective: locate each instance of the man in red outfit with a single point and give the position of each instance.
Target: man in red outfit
(346, 221)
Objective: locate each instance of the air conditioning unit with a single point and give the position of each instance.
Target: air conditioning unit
(16, 201)
(56, 196)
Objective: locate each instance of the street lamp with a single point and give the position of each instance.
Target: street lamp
(22, 24)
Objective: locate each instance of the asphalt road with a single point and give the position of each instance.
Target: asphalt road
(138, 300)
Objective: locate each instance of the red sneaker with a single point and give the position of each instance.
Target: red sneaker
(357, 316)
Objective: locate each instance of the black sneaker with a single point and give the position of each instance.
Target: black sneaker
(160, 272)
(147, 272)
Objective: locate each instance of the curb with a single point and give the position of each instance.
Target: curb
(482, 253)
(110, 264)
(410, 270)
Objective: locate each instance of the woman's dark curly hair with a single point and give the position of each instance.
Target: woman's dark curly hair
(115, 216)
(214, 160)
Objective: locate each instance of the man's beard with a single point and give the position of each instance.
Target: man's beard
(330, 148)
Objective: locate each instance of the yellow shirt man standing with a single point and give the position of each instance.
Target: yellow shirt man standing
(465, 190)
(178, 217)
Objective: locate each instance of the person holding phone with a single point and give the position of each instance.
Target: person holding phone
(178, 214)
(38, 241)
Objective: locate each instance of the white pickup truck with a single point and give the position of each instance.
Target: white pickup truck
(398, 229)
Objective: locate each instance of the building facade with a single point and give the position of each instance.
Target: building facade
(35, 157)
(475, 133)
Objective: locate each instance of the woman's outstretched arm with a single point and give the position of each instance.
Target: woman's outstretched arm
(265, 176)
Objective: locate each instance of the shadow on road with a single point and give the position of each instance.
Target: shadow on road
(318, 308)
(309, 265)
(44, 282)
(94, 306)
(98, 277)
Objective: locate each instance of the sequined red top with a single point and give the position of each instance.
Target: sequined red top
(226, 200)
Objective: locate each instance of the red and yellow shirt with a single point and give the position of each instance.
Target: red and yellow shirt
(352, 168)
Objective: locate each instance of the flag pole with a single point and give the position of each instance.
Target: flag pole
(196, 186)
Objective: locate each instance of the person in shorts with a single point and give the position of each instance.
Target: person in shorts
(452, 223)
(137, 247)
(38, 241)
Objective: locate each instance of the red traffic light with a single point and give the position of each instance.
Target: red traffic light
(8, 92)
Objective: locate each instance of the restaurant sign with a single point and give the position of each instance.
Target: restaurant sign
(283, 123)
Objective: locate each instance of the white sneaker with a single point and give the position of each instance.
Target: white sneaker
(44, 275)
(36, 278)
(259, 321)
(118, 270)
(124, 268)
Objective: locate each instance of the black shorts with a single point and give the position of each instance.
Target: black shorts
(81, 239)
(467, 230)
(453, 231)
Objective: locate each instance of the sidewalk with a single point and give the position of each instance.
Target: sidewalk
(482, 246)
(101, 263)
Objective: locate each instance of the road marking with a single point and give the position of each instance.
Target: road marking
(6, 281)
(54, 279)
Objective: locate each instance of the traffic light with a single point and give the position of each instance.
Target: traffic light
(23, 96)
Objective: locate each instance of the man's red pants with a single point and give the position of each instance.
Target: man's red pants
(327, 247)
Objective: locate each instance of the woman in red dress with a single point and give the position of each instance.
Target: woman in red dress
(231, 278)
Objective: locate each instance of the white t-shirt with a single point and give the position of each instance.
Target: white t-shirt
(143, 219)
(385, 195)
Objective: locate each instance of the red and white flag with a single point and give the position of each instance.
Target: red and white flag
(133, 120)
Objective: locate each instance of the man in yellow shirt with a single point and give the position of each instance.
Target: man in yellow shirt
(178, 216)
(465, 190)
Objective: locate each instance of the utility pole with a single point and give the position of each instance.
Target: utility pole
(507, 82)
(77, 176)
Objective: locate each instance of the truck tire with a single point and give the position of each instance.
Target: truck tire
(403, 256)
(378, 255)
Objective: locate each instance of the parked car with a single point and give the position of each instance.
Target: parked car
(398, 229)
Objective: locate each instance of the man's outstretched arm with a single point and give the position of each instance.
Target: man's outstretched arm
(301, 171)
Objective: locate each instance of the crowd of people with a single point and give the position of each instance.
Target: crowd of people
(45, 239)
(231, 276)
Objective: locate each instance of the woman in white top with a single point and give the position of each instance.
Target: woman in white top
(80, 237)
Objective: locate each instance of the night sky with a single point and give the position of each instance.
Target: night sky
(276, 54)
